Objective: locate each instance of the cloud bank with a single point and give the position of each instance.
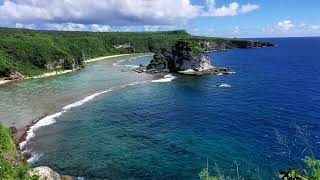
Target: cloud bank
(71, 14)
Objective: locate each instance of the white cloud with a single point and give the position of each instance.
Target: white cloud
(72, 13)
(67, 27)
(159, 28)
(232, 9)
(236, 30)
(285, 25)
(315, 27)
(25, 26)
(248, 8)
(100, 28)
(289, 28)
(110, 12)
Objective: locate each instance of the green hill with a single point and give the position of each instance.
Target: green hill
(33, 52)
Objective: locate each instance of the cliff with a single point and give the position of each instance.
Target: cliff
(186, 57)
(13, 164)
(222, 44)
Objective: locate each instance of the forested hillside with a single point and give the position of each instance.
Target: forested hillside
(32, 52)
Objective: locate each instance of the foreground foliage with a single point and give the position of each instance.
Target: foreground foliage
(204, 175)
(12, 164)
(310, 172)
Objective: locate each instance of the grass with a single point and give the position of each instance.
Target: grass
(12, 164)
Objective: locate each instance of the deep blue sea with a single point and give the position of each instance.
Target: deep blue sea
(263, 118)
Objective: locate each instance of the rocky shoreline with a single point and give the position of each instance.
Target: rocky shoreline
(184, 58)
(190, 58)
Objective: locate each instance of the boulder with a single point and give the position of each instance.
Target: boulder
(15, 76)
(45, 173)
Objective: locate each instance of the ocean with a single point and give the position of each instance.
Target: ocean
(107, 122)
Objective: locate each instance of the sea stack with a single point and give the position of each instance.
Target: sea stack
(186, 58)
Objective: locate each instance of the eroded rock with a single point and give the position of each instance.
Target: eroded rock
(45, 173)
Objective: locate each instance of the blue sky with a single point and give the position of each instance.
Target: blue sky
(228, 18)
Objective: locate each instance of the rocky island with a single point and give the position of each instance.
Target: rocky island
(187, 57)
(191, 57)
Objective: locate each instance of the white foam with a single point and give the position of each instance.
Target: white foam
(46, 121)
(166, 78)
(84, 100)
(51, 119)
(128, 65)
(225, 85)
(34, 158)
(219, 74)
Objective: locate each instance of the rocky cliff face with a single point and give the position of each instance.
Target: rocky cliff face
(225, 44)
(189, 57)
(183, 56)
(186, 58)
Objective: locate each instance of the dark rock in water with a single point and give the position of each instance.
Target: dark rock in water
(159, 61)
(190, 57)
(212, 70)
(13, 130)
(185, 58)
(140, 69)
(64, 177)
(27, 155)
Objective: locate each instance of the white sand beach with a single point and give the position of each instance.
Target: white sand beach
(55, 73)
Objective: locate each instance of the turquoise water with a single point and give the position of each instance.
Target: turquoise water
(25, 101)
(258, 120)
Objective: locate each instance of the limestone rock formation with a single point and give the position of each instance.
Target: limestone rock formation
(45, 173)
(185, 58)
(15, 76)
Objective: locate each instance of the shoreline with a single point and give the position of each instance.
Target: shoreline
(21, 134)
(56, 73)
(24, 134)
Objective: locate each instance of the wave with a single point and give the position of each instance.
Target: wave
(34, 158)
(84, 100)
(46, 121)
(51, 119)
(131, 59)
(224, 85)
(166, 78)
(129, 65)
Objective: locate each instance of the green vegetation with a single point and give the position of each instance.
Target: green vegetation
(310, 172)
(190, 46)
(33, 52)
(204, 175)
(12, 164)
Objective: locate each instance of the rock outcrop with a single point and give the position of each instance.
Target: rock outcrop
(45, 173)
(185, 58)
(15, 76)
(229, 44)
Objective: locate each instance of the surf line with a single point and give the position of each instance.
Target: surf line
(30, 130)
